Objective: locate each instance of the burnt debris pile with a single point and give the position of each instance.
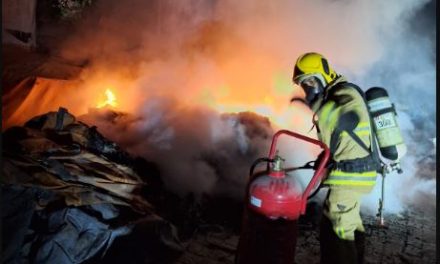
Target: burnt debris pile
(69, 195)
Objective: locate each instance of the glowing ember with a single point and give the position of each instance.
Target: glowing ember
(110, 101)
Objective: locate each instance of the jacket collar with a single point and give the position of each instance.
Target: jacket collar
(340, 79)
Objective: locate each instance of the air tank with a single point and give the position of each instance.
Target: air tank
(389, 137)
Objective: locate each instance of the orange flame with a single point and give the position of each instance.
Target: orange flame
(110, 100)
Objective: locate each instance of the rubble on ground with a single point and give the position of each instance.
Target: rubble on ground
(69, 194)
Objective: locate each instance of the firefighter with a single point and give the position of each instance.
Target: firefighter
(343, 123)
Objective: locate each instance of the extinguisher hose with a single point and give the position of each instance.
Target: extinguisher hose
(316, 191)
(256, 162)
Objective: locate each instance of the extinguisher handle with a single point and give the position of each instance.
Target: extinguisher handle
(319, 172)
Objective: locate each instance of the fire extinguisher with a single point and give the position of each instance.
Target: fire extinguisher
(273, 204)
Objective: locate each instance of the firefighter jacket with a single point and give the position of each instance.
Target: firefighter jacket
(342, 114)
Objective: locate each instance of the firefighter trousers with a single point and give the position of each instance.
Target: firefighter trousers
(342, 208)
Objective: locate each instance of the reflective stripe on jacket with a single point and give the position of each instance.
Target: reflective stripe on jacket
(351, 178)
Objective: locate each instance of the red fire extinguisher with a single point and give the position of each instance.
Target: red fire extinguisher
(273, 205)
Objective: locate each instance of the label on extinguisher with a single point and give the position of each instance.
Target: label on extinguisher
(255, 201)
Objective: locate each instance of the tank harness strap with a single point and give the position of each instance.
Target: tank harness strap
(348, 123)
(385, 110)
(355, 138)
(358, 165)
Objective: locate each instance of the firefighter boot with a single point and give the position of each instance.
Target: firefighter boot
(333, 249)
(359, 238)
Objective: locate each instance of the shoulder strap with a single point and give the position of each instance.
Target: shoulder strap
(347, 122)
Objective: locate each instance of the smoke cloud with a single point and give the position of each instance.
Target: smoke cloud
(175, 65)
(198, 149)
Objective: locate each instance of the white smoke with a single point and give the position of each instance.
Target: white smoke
(407, 71)
(197, 149)
(204, 53)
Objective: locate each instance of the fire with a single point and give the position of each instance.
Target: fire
(224, 91)
(110, 100)
(281, 117)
